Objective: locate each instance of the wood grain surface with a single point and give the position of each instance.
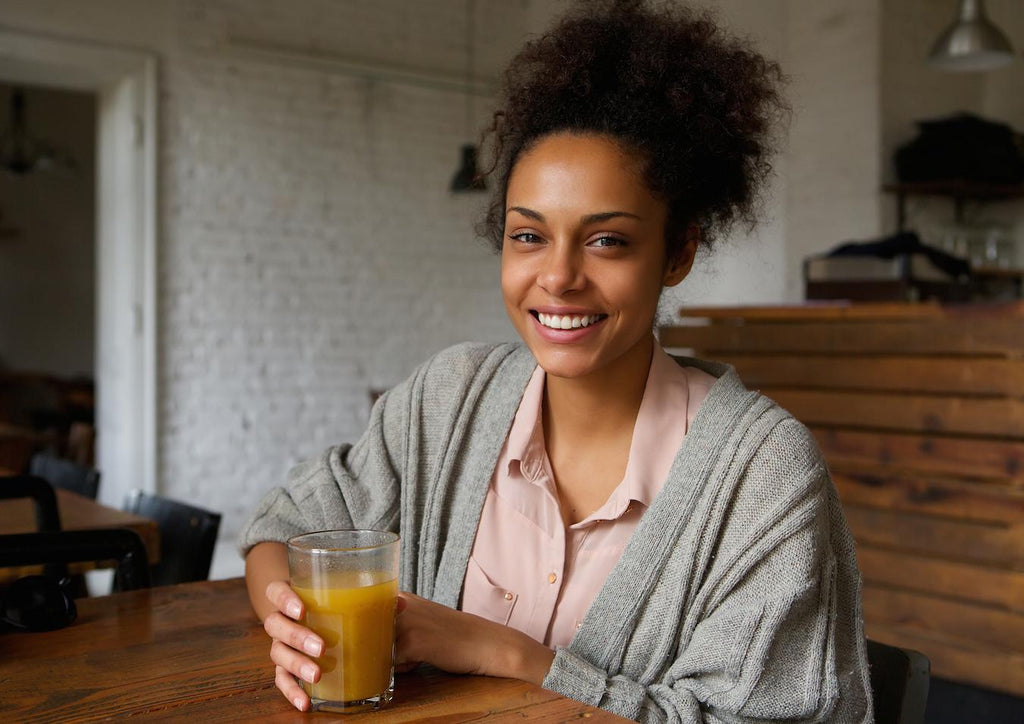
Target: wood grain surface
(919, 411)
(196, 651)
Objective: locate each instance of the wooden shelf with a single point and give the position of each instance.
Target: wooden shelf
(967, 190)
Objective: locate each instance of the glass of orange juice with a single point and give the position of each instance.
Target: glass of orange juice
(348, 581)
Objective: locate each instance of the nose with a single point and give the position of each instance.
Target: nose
(561, 270)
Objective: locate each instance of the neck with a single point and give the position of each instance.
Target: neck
(601, 404)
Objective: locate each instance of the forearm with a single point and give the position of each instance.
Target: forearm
(463, 643)
(517, 656)
(266, 562)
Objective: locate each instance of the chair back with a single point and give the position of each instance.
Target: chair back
(66, 474)
(899, 683)
(73, 546)
(187, 537)
(42, 495)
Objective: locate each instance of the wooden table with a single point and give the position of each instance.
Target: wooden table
(196, 651)
(76, 513)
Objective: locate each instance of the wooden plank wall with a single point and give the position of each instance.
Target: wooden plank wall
(919, 411)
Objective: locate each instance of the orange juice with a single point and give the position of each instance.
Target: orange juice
(354, 613)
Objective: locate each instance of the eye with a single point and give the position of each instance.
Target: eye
(525, 237)
(607, 242)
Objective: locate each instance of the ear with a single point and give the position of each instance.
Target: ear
(680, 265)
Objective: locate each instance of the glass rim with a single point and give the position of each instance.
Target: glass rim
(295, 542)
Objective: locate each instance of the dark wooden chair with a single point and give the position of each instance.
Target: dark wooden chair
(187, 537)
(899, 683)
(47, 516)
(40, 491)
(74, 546)
(66, 474)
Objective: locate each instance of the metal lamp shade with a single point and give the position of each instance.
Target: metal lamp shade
(972, 42)
(468, 176)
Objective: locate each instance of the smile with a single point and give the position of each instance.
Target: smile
(567, 321)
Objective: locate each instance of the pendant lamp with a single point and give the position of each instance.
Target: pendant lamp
(22, 153)
(972, 42)
(468, 176)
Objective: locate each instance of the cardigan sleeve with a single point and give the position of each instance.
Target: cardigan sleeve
(348, 486)
(777, 633)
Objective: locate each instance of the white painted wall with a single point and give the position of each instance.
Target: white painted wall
(834, 56)
(749, 266)
(47, 270)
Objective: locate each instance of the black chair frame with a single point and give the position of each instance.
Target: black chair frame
(41, 493)
(74, 546)
(899, 683)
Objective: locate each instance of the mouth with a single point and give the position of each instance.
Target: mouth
(567, 321)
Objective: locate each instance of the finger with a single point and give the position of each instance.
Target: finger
(401, 604)
(285, 599)
(288, 686)
(297, 636)
(294, 663)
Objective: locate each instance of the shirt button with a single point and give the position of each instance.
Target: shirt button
(578, 624)
(552, 578)
(508, 596)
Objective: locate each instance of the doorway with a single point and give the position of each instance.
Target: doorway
(124, 84)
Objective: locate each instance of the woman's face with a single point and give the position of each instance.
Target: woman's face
(583, 260)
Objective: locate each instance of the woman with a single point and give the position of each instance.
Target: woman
(583, 511)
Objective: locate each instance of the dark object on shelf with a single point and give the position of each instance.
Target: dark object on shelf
(962, 148)
(899, 683)
(65, 474)
(895, 268)
(903, 245)
(187, 537)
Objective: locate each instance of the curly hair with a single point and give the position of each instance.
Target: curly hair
(698, 107)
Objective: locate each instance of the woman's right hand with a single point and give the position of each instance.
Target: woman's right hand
(293, 644)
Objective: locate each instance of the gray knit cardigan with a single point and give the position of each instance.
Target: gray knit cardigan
(737, 599)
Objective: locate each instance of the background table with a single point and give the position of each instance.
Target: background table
(76, 513)
(197, 651)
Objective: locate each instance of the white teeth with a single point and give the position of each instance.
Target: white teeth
(567, 321)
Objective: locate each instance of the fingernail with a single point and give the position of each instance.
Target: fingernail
(299, 703)
(311, 646)
(308, 673)
(294, 609)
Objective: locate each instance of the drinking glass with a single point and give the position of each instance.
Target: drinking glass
(348, 581)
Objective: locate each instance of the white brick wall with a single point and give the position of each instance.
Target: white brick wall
(310, 249)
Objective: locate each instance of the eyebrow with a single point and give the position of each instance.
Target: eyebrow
(588, 219)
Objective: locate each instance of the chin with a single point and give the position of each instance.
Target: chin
(564, 364)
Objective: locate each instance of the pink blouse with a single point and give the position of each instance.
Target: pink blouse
(527, 570)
